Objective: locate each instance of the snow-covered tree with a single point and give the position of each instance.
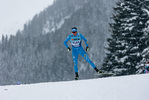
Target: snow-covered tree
(126, 43)
(145, 52)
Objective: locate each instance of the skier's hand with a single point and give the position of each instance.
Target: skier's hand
(87, 48)
(69, 49)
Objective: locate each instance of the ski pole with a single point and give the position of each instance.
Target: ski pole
(91, 52)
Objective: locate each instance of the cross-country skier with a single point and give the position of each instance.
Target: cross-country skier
(75, 39)
(147, 67)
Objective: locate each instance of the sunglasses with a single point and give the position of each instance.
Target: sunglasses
(74, 32)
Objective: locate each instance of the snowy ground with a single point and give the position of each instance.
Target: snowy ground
(133, 87)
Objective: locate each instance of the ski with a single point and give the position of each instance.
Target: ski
(104, 74)
(76, 78)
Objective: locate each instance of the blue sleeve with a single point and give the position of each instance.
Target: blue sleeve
(66, 40)
(84, 39)
(145, 71)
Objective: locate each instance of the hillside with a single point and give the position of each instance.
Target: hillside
(37, 53)
(133, 87)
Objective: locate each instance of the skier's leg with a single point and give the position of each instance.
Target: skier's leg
(85, 56)
(77, 76)
(75, 59)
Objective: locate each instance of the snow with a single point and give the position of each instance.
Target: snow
(131, 19)
(119, 69)
(145, 52)
(128, 63)
(62, 21)
(15, 13)
(47, 27)
(123, 59)
(133, 87)
(122, 51)
(146, 11)
(134, 48)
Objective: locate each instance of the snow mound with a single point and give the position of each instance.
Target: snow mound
(134, 87)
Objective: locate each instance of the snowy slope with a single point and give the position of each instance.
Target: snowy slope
(133, 87)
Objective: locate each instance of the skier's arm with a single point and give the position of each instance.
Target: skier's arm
(84, 40)
(66, 40)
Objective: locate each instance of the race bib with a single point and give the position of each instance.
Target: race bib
(76, 41)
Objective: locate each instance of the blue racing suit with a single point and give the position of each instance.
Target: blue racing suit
(146, 69)
(78, 49)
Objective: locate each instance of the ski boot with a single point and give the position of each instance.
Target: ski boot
(98, 71)
(77, 76)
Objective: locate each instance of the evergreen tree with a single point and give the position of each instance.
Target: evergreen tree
(145, 53)
(126, 43)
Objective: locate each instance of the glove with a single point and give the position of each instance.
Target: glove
(69, 49)
(87, 48)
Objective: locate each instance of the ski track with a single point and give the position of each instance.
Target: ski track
(133, 87)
